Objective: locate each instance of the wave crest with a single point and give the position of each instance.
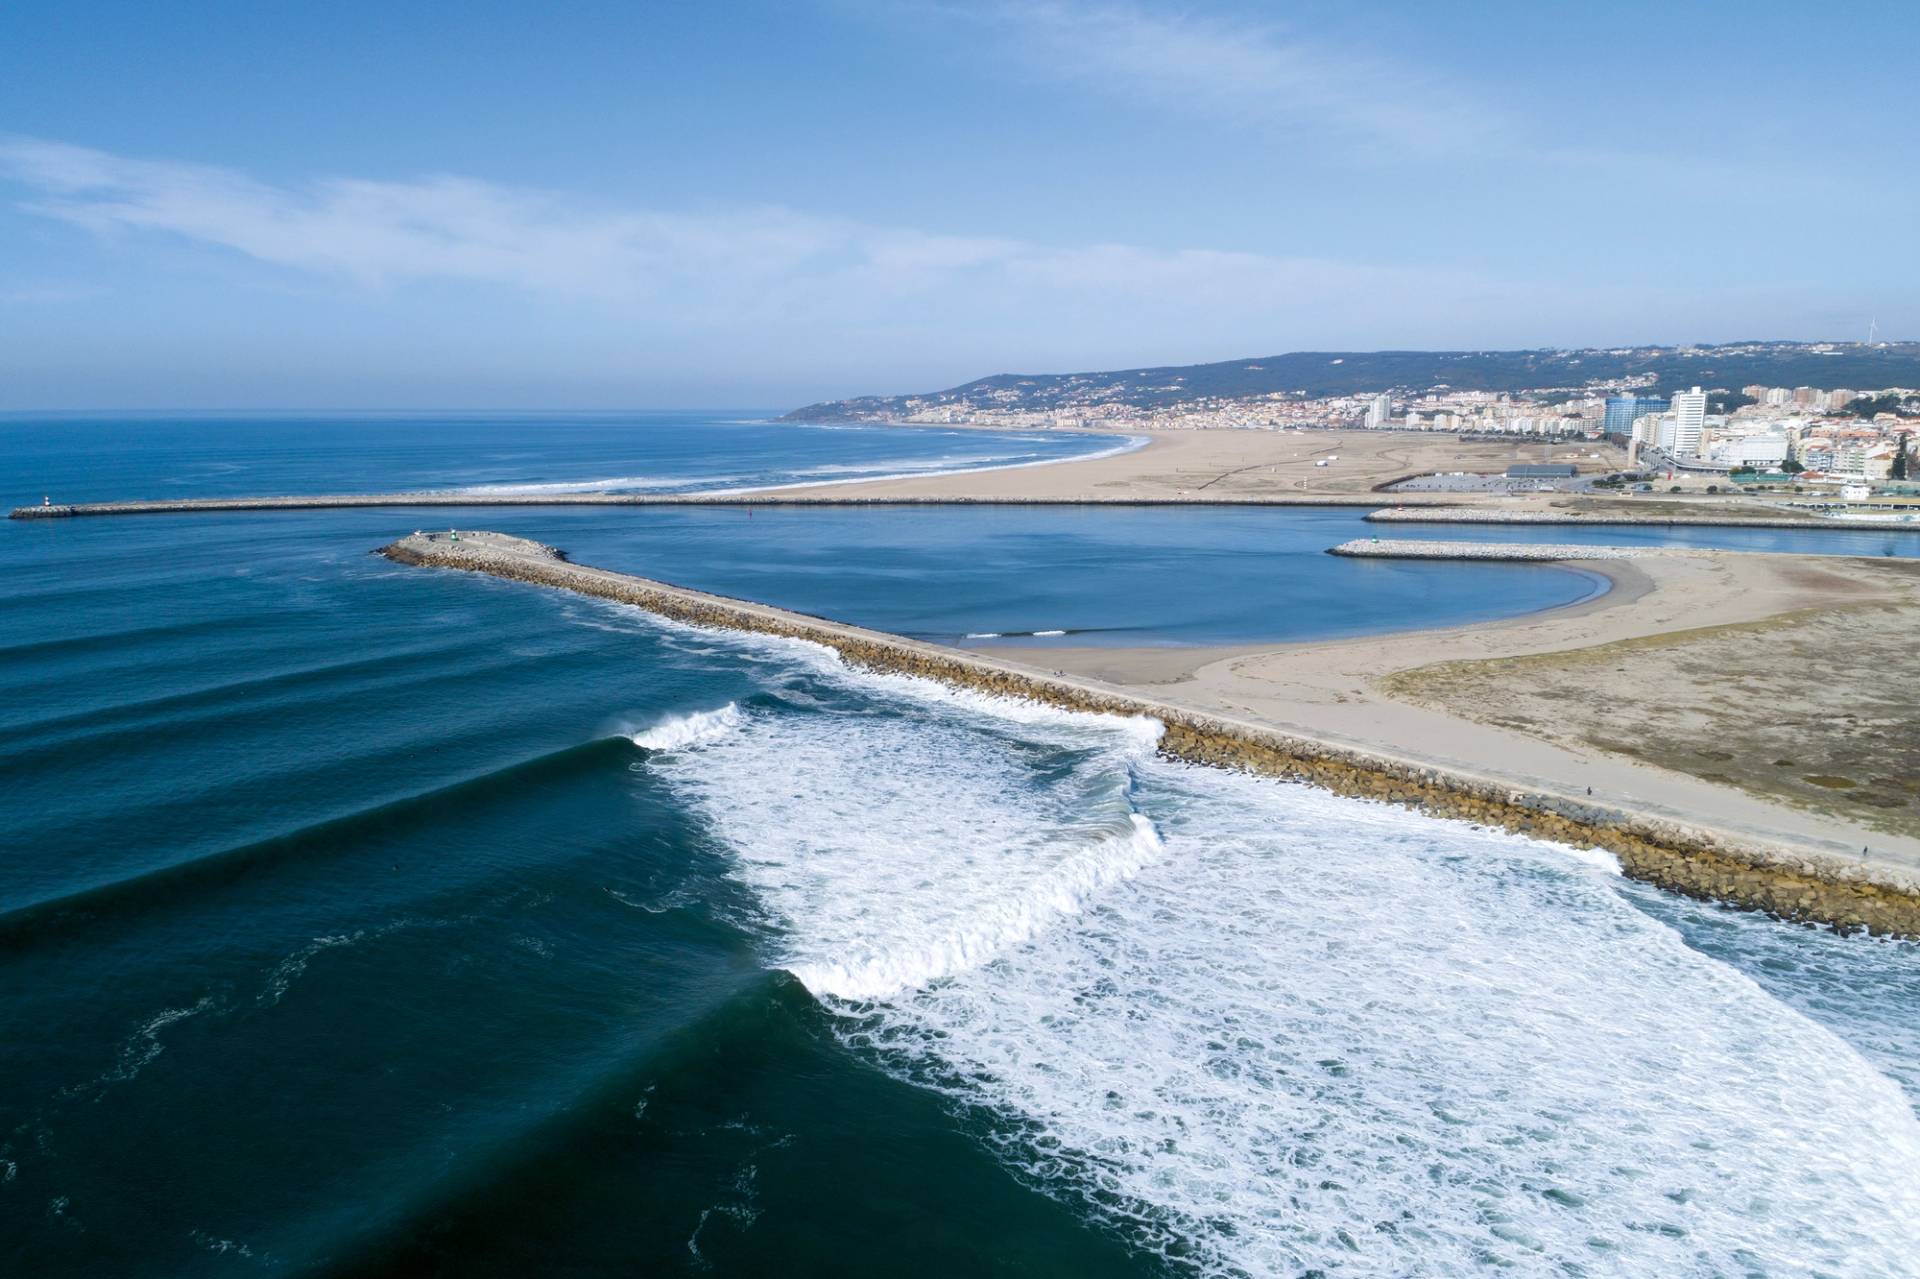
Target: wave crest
(696, 728)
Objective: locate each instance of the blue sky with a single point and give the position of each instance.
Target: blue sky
(610, 205)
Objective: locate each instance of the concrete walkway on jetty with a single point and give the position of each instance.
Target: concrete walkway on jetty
(1799, 878)
(1409, 511)
(758, 497)
(1429, 514)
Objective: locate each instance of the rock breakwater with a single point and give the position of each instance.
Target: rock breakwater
(1792, 883)
(760, 497)
(1378, 548)
(1415, 514)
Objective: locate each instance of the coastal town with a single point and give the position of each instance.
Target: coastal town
(1852, 443)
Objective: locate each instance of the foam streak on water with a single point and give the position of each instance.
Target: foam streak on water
(606, 484)
(914, 469)
(1263, 1029)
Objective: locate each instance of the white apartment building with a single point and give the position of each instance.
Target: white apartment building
(1689, 419)
(1756, 450)
(1379, 412)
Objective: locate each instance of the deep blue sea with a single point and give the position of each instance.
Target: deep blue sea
(362, 920)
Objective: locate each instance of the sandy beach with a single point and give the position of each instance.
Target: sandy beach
(1528, 699)
(1282, 466)
(1211, 465)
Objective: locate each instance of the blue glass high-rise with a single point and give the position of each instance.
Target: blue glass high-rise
(1624, 410)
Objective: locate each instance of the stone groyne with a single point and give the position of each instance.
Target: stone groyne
(1389, 548)
(763, 497)
(1792, 883)
(1416, 514)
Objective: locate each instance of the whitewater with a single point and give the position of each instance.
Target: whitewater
(473, 929)
(1256, 1028)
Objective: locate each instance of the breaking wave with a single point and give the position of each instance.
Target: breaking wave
(1263, 1029)
(697, 728)
(913, 469)
(608, 484)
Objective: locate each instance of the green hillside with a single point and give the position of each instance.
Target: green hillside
(1321, 373)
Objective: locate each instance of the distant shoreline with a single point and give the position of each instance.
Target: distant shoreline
(1324, 468)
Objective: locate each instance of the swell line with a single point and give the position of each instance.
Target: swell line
(214, 697)
(74, 645)
(129, 897)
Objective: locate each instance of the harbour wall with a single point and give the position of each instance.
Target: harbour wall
(1791, 883)
(1388, 548)
(351, 501)
(1416, 514)
(1430, 510)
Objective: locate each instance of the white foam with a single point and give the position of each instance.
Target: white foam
(918, 472)
(905, 465)
(1321, 1034)
(1300, 1031)
(974, 838)
(1065, 888)
(608, 484)
(1038, 634)
(696, 728)
(1598, 858)
(1285, 1030)
(1141, 733)
(140, 1049)
(1864, 987)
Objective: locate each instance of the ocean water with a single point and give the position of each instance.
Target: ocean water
(360, 920)
(90, 458)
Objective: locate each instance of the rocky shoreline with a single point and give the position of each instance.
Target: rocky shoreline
(1790, 883)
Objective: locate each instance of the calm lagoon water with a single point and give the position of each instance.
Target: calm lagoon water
(1840, 540)
(360, 920)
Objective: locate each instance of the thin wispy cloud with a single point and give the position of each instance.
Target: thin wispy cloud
(384, 232)
(568, 284)
(712, 265)
(1258, 75)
